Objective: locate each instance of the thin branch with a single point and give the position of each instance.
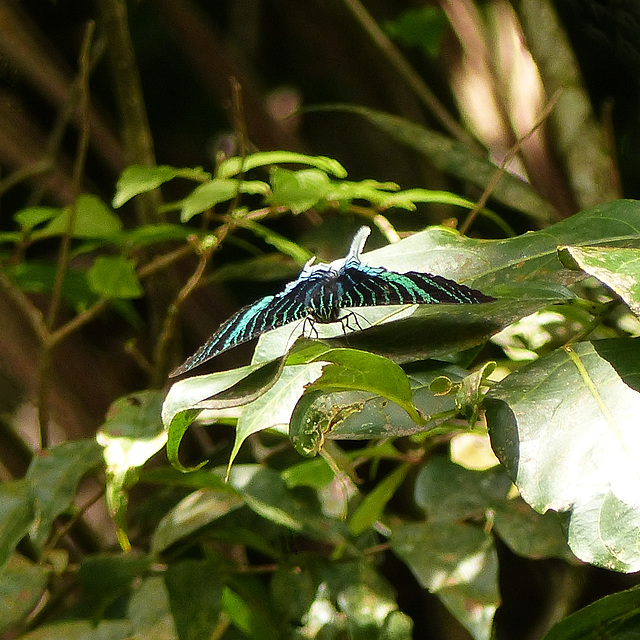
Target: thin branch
(399, 62)
(515, 149)
(64, 257)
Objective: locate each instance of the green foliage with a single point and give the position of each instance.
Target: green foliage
(344, 468)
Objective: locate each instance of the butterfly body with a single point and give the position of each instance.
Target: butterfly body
(320, 293)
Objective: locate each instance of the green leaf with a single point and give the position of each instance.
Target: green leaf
(266, 493)
(197, 510)
(457, 562)
(295, 251)
(39, 277)
(363, 371)
(619, 269)
(114, 277)
(33, 216)
(150, 234)
(16, 515)
(453, 157)
(616, 616)
(195, 594)
(235, 165)
(372, 507)
(274, 408)
(298, 190)
(422, 27)
(131, 434)
(82, 630)
(209, 194)
(22, 584)
(565, 427)
(183, 404)
(107, 577)
(137, 179)
(407, 199)
(53, 478)
(327, 599)
(93, 220)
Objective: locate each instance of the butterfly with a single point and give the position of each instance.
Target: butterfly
(322, 290)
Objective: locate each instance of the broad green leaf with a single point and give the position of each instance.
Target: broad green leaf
(486, 264)
(106, 577)
(457, 562)
(209, 194)
(22, 584)
(619, 269)
(93, 220)
(114, 277)
(372, 507)
(131, 434)
(351, 369)
(195, 595)
(138, 179)
(274, 408)
(53, 478)
(450, 492)
(298, 190)
(565, 428)
(615, 617)
(197, 510)
(356, 415)
(183, 404)
(453, 157)
(39, 277)
(266, 493)
(33, 216)
(235, 165)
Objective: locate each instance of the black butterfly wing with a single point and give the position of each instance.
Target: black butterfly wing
(257, 318)
(363, 286)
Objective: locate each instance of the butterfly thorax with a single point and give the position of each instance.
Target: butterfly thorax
(323, 299)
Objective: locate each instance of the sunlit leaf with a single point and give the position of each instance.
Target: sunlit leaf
(298, 190)
(565, 427)
(131, 434)
(235, 165)
(137, 179)
(619, 269)
(213, 192)
(457, 562)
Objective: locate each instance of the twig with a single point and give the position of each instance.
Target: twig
(64, 257)
(515, 149)
(401, 65)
